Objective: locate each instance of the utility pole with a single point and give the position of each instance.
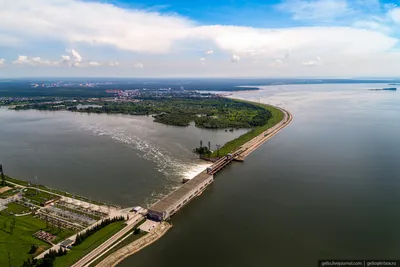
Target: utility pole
(201, 143)
(3, 179)
(209, 145)
(218, 146)
(37, 186)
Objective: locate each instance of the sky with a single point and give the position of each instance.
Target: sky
(199, 38)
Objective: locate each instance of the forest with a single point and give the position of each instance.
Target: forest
(205, 112)
(212, 113)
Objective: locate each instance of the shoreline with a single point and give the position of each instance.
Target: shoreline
(245, 150)
(239, 154)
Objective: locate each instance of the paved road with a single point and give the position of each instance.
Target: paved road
(97, 251)
(113, 214)
(265, 136)
(116, 257)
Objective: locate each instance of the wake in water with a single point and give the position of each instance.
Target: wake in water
(172, 168)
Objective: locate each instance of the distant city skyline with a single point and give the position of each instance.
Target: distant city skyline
(227, 38)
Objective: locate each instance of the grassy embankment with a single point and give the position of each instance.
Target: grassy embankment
(230, 146)
(15, 244)
(93, 241)
(130, 239)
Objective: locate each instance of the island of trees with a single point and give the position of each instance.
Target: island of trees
(211, 112)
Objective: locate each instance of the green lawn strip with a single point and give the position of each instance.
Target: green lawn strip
(89, 244)
(230, 146)
(15, 181)
(18, 244)
(123, 243)
(17, 208)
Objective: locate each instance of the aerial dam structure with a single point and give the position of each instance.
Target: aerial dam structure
(173, 202)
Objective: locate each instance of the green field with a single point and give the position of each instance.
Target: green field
(17, 243)
(230, 146)
(38, 197)
(15, 208)
(89, 244)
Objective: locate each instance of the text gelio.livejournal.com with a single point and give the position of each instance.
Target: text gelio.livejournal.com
(344, 263)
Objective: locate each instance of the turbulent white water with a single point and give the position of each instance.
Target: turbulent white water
(172, 167)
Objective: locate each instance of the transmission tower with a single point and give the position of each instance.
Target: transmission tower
(37, 186)
(3, 179)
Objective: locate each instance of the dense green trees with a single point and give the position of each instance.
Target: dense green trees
(201, 151)
(205, 112)
(47, 260)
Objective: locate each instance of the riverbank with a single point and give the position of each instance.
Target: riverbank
(239, 154)
(118, 256)
(263, 137)
(71, 200)
(277, 115)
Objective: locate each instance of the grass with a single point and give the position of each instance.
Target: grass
(125, 242)
(15, 181)
(88, 245)
(9, 193)
(38, 197)
(15, 208)
(55, 191)
(16, 244)
(230, 146)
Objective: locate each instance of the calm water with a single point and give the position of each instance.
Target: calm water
(125, 160)
(326, 187)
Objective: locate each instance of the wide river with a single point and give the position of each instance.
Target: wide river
(327, 186)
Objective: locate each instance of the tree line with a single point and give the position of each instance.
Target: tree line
(82, 236)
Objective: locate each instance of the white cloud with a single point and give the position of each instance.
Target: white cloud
(235, 58)
(2, 62)
(94, 63)
(75, 55)
(75, 23)
(141, 31)
(112, 63)
(91, 22)
(395, 15)
(138, 65)
(312, 63)
(322, 10)
(34, 61)
(202, 59)
(65, 58)
(307, 40)
(74, 60)
(287, 54)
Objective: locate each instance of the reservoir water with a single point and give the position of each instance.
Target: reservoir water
(327, 186)
(123, 160)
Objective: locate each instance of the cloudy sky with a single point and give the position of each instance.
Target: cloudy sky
(199, 38)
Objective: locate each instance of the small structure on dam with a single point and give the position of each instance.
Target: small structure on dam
(170, 204)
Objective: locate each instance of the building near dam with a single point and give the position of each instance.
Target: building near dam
(169, 205)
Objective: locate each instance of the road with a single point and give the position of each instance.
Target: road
(97, 251)
(137, 245)
(265, 136)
